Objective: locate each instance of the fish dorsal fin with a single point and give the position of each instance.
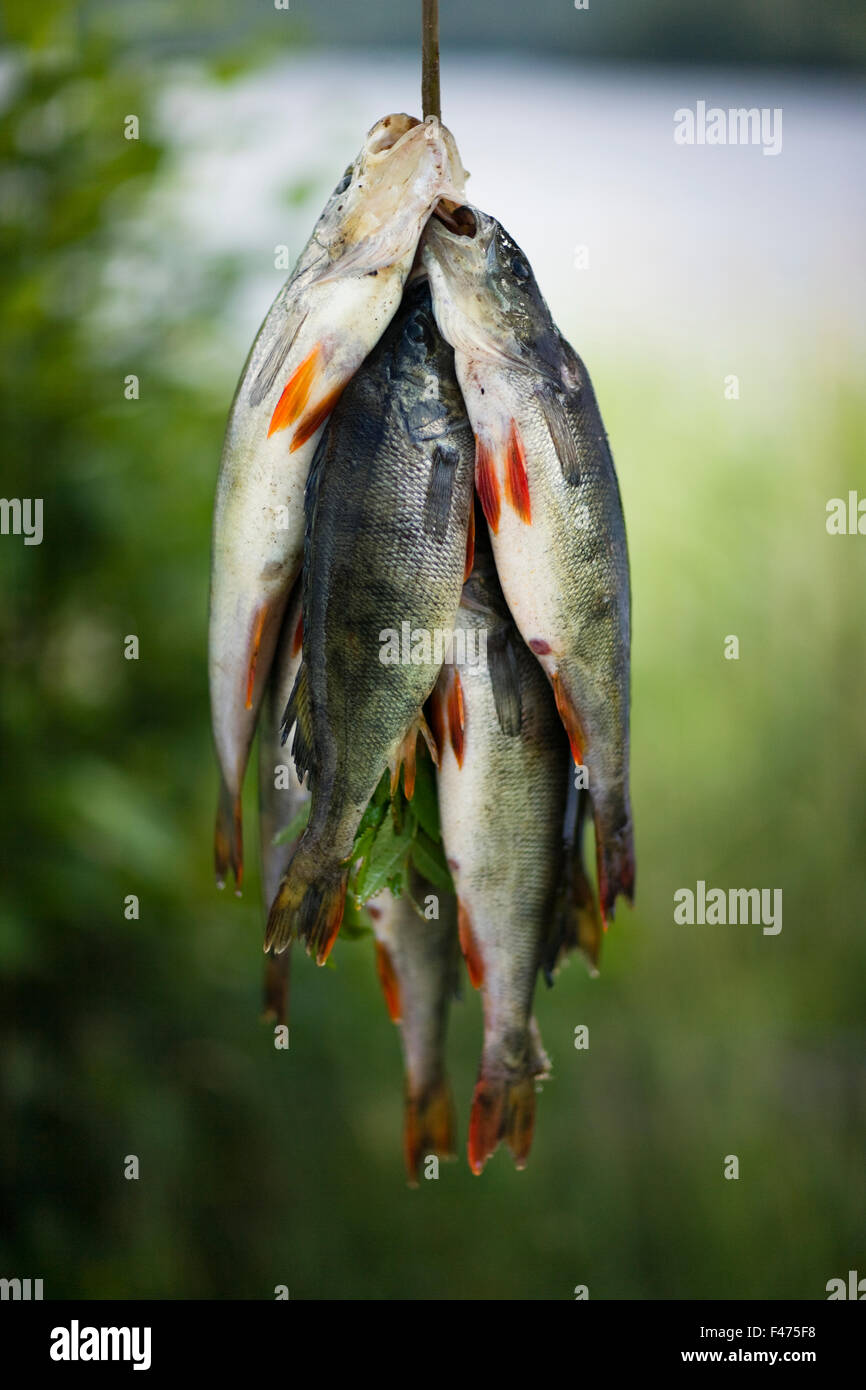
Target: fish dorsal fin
(505, 679)
(298, 714)
(553, 407)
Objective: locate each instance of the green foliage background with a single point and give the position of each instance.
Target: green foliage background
(120, 1037)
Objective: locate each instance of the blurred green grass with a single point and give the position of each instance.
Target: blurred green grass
(123, 1037)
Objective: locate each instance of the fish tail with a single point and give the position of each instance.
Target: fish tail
(502, 1108)
(228, 837)
(577, 922)
(309, 903)
(588, 926)
(613, 829)
(429, 1127)
(276, 987)
(616, 866)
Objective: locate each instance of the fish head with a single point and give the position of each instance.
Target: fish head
(380, 206)
(485, 295)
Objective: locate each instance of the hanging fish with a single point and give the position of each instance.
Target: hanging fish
(501, 804)
(416, 961)
(338, 301)
(546, 480)
(388, 504)
(281, 795)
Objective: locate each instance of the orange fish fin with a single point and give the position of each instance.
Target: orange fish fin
(314, 418)
(406, 753)
(276, 988)
(389, 982)
(309, 904)
(255, 643)
(456, 716)
(228, 838)
(487, 484)
(501, 1109)
(298, 639)
(429, 1127)
(570, 718)
(470, 545)
(436, 716)
(296, 393)
(485, 1122)
(516, 479)
(469, 946)
(520, 1119)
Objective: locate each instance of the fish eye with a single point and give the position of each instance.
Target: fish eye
(519, 268)
(344, 181)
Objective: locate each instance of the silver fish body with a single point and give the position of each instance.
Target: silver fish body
(546, 480)
(416, 958)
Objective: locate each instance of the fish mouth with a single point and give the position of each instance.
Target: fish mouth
(405, 168)
(460, 221)
(459, 236)
(388, 133)
(420, 156)
(455, 242)
(455, 253)
(389, 137)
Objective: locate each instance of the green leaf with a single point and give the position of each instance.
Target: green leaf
(425, 802)
(429, 859)
(385, 860)
(295, 826)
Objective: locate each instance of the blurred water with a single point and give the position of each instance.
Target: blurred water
(695, 250)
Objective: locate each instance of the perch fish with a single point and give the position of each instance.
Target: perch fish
(341, 296)
(546, 481)
(388, 505)
(416, 961)
(502, 798)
